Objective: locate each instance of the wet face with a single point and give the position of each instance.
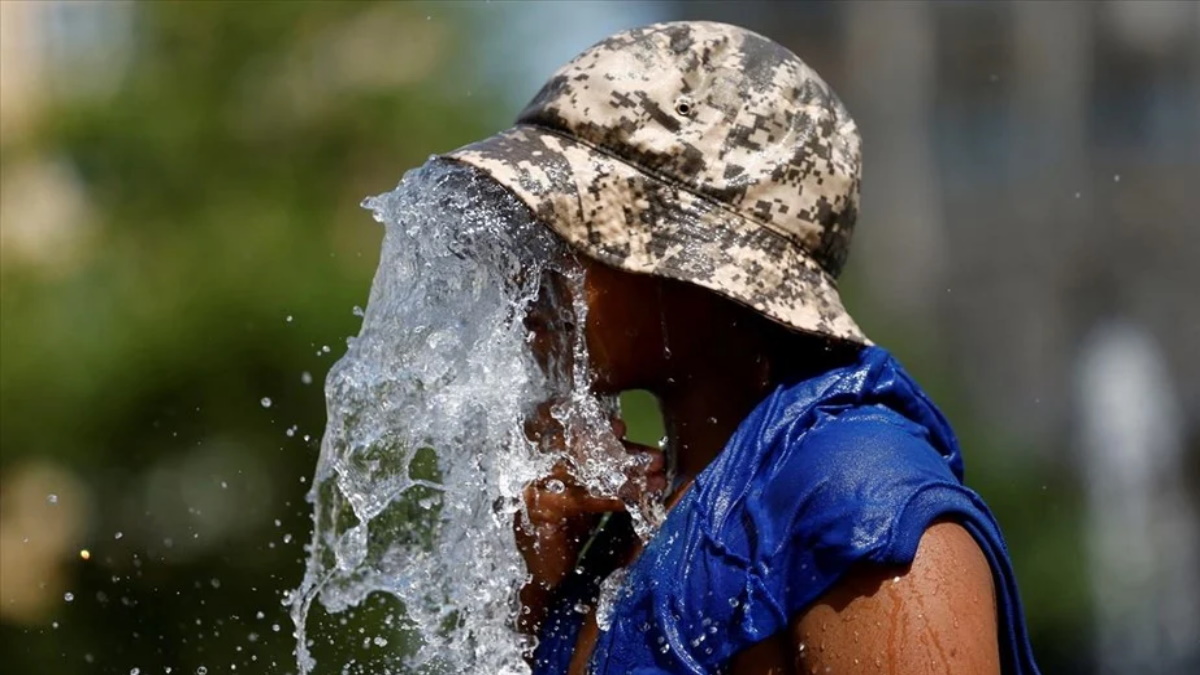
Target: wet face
(626, 328)
(639, 329)
(550, 320)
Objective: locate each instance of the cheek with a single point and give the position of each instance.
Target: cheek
(600, 354)
(623, 328)
(617, 347)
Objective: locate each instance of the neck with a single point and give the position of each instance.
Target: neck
(702, 409)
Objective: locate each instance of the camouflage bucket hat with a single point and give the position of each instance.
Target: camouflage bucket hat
(697, 151)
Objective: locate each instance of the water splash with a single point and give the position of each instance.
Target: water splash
(425, 456)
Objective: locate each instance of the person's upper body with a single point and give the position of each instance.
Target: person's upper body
(708, 180)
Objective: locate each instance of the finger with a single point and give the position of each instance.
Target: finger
(560, 472)
(645, 486)
(547, 505)
(544, 429)
(619, 427)
(650, 460)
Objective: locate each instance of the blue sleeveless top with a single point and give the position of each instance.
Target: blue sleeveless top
(849, 466)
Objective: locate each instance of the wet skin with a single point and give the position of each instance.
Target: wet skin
(710, 362)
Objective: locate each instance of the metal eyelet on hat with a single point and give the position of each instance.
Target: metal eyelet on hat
(685, 107)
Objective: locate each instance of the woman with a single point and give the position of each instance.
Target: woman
(817, 519)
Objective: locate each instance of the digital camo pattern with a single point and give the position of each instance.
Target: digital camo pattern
(697, 151)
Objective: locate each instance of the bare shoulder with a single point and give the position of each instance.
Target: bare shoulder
(936, 616)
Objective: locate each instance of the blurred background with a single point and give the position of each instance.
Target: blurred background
(182, 252)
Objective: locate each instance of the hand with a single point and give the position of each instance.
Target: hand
(561, 514)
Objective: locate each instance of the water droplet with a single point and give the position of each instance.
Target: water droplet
(358, 311)
(52, 498)
(69, 597)
(289, 318)
(733, 602)
(325, 349)
(118, 535)
(266, 402)
(1117, 178)
(135, 671)
(379, 641)
(555, 486)
(85, 554)
(202, 670)
(306, 377)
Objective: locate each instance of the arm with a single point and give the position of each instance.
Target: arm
(936, 616)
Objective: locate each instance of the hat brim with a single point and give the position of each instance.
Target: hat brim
(630, 219)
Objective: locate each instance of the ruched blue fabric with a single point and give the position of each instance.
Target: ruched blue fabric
(846, 467)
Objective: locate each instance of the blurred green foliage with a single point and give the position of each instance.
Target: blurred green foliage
(223, 179)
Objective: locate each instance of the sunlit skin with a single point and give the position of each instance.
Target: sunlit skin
(710, 362)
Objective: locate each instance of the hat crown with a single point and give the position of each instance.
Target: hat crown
(724, 113)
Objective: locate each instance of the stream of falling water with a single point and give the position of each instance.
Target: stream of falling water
(424, 456)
